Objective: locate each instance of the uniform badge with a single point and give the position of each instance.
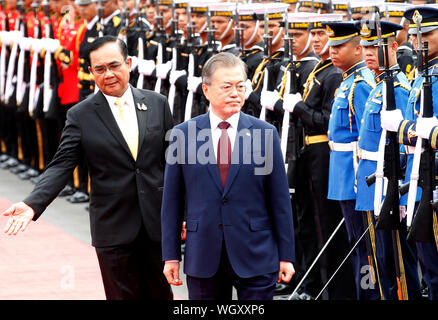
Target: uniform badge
(329, 31)
(365, 31)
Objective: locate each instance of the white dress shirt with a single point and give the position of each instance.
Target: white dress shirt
(216, 132)
(130, 124)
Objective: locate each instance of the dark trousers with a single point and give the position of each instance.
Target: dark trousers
(385, 241)
(428, 257)
(220, 286)
(354, 221)
(134, 271)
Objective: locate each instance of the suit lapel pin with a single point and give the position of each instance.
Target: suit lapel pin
(141, 107)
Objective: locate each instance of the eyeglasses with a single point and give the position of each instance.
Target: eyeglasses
(228, 88)
(113, 67)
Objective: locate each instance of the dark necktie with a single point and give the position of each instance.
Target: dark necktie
(224, 152)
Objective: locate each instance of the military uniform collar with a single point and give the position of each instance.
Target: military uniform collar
(353, 69)
(433, 62)
(379, 78)
(107, 19)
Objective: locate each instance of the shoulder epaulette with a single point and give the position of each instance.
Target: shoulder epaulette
(358, 77)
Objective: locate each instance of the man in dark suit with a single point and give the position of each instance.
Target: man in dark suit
(121, 133)
(238, 212)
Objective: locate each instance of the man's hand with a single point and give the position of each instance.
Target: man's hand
(171, 272)
(286, 271)
(20, 215)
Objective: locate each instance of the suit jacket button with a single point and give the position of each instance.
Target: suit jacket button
(221, 226)
(137, 171)
(224, 201)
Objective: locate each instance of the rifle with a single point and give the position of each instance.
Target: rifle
(238, 34)
(175, 56)
(140, 29)
(421, 228)
(160, 34)
(267, 52)
(191, 66)
(100, 17)
(212, 46)
(124, 24)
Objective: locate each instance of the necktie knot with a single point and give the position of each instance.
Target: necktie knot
(223, 125)
(119, 102)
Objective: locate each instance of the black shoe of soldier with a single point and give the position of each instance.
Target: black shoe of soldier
(30, 173)
(11, 162)
(4, 157)
(67, 191)
(78, 197)
(19, 169)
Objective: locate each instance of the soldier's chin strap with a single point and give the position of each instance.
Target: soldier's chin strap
(309, 41)
(324, 49)
(204, 26)
(254, 33)
(277, 36)
(226, 30)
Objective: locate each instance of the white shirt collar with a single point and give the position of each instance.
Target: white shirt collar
(127, 97)
(215, 120)
(93, 21)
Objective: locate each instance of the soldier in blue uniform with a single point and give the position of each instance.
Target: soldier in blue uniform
(369, 137)
(393, 121)
(344, 126)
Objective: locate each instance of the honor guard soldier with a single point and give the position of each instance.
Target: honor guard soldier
(224, 26)
(316, 6)
(265, 75)
(313, 109)
(293, 4)
(10, 138)
(364, 9)
(110, 21)
(393, 12)
(343, 131)
(342, 7)
(422, 19)
(396, 280)
(88, 11)
(253, 50)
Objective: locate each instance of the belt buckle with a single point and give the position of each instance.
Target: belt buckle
(306, 140)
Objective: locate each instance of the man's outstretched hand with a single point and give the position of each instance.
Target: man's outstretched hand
(20, 215)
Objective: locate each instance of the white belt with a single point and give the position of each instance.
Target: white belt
(368, 155)
(336, 146)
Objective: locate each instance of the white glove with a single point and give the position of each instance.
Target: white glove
(175, 75)
(25, 43)
(424, 126)
(163, 69)
(268, 99)
(134, 62)
(248, 88)
(193, 83)
(51, 45)
(290, 100)
(390, 120)
(146, 67)
(6, 37)
(37, 45)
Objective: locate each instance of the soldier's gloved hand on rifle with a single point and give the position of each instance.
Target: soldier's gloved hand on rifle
(175, 75)
(6, 37)
(290, 100)
(424, 126)
(146, 67)
(268, 99)
(163, 69)
(51, 45)
(390, 120)
(248, 88)
(193, 83)
(37, 45)
(25, 43)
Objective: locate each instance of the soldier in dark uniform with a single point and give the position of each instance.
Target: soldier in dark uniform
(313, 110)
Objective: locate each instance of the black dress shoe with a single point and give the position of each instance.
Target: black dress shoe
(78, 197)
(11, 162)
(67, 191)
(30, 173)
(19, 169)
(4, 157)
